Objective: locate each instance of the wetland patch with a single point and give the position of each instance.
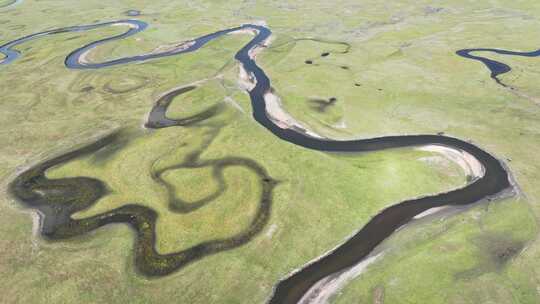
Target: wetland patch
(57, 199)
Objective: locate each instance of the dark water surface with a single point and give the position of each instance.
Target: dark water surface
(291, 289)
(132, 13)
(495, 67)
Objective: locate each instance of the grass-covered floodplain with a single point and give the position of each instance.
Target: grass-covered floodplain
(402, 77)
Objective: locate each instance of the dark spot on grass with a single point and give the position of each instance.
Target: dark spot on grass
(308, 62)
(495, 250)
(500, 248)
(87, 89)
(321, 104)
(432, 10)
(358, 84)
(505, 254)
(325, 54)
(73, 38)
(344, 67)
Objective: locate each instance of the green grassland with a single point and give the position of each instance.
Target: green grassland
(402, 77)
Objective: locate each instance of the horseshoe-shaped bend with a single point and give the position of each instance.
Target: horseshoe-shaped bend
(494, 180)
(496, 68)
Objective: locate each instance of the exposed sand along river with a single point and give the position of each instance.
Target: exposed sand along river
(10, 4)
(490, 176)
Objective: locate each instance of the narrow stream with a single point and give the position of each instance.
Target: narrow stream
(291, 289)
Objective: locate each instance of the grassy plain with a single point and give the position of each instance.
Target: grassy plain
(402, 77)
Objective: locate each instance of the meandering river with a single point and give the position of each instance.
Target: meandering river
(495, 67)
(494, 180)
